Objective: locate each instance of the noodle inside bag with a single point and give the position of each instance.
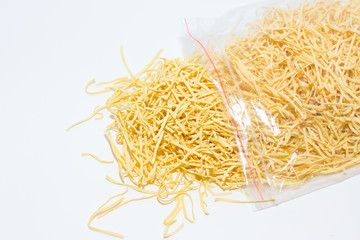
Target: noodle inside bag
(291, 75)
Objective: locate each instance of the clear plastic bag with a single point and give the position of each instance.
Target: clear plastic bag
(289, 144)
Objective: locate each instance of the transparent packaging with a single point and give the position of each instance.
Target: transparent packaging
(297, 116)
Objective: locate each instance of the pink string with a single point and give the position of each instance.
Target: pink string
(228, 105)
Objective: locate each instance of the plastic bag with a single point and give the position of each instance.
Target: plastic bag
(289, 144)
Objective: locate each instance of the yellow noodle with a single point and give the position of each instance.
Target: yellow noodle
(96, 157)
(297, 72)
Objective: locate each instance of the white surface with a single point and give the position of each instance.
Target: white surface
(49, 50)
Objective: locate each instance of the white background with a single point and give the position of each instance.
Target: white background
(49, 50)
